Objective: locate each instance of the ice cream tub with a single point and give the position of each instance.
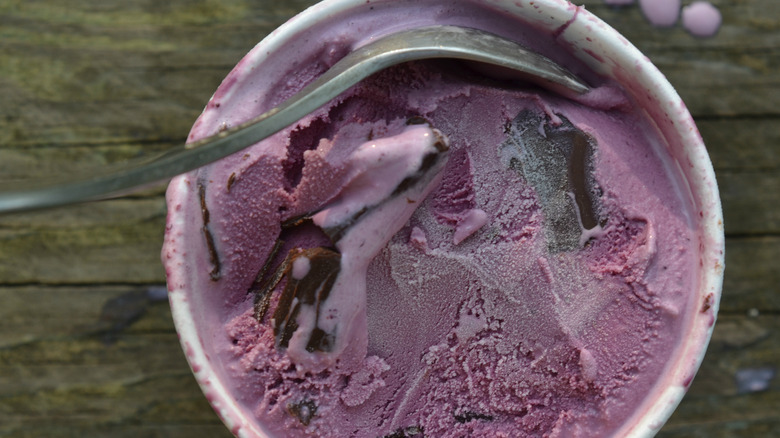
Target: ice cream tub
(445, 250)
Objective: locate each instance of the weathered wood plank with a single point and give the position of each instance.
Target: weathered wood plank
(33, 313)
(750, 201)
(714, 406)
(30, 166)
(746, 24)
(108, 242)
(96, 387)
(131, 71)
(82, 81)
(135, 379)
(735, 73)
(752, 278)
(83, 428)
(743, 144)
(725, 84)
(61, 375)
(86, 351)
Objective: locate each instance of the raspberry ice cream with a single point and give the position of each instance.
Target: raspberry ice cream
(437, 252)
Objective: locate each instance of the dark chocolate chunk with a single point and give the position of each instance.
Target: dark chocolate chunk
(428, 161)
(417, 120)
(296, 222)
(320, 340)
(286, 327)
(406, 432)
(204, 211)
(263, 287)
(311, 290)
(337, 232)
(578, 179)
(467, 416)
(507, 127)
(304, 411)
(231, 180)
(215, 273)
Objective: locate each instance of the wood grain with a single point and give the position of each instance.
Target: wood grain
(87, 349)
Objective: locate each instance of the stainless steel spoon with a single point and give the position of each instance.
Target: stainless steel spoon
(421, 43)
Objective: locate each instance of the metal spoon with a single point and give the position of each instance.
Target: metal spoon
(422, 43)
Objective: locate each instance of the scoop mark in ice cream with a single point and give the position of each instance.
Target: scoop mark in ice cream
(301, 140)
(301, 304)
(429, 160)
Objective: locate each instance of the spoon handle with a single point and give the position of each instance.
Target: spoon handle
(416, 44)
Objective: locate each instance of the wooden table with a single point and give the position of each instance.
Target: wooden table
(87, 346)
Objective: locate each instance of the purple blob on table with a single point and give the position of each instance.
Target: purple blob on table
(701, 19)
(751, 380)
(661, 13)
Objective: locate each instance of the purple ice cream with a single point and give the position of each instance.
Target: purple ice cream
(438, 252)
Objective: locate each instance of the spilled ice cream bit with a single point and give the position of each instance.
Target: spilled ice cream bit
(699, 18)
(661, 13)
